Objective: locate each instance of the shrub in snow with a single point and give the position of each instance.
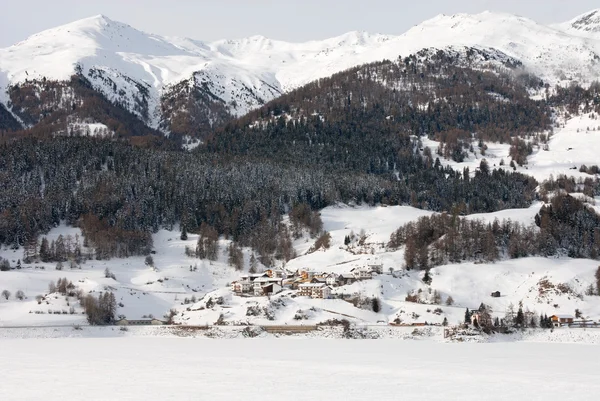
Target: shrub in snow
(253, 310)
(4, 265)
(300, 315)
(149, 261)
(252, 331)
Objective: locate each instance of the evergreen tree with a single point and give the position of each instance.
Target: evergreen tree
(427, 277)
(253, 264)
(184, 235)
(376, 305)
(533, 323)
(520, 319)
(45, 250)
(467, 316)
(542, 321)
(64, 247)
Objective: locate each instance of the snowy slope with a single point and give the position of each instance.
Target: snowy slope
(587, 24)
(574, 143)
(552, 285)
(245, 73)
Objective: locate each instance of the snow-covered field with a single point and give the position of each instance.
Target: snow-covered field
(230, 370)
(569, 147)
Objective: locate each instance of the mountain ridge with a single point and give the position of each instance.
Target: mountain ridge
(162, 80)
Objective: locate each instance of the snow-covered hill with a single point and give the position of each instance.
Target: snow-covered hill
(199, 290)
(587, 24)
(127, 65)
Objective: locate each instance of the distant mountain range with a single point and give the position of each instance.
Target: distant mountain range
(188, 87)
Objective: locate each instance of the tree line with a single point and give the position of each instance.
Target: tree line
(565, 226)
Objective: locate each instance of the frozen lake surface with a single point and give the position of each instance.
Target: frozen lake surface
(143, 368)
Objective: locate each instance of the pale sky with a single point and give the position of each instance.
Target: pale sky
(291, 20)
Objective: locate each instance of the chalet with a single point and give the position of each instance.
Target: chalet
(561, 320)
(496, 294)
(241, 287)
(331, 279)
(318, 280)
(276, 273)
(252, 277)
(345, 279)
(362, 273)
(294, 283)
(259, 285)
(319, 291)
(308, 275)
(270, 289)
(253, 283)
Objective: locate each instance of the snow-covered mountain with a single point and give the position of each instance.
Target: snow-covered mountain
(587, 24)
(166, 82)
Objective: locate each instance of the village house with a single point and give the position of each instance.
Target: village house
(345, 279)
(241, 287)
(331, 279)
(266, 286)
(270, 289)
(294, 283)
(561, 320)
(252, 277)
(246, 284)
(318, 291)
(362, 273)
(318, 280)
(308, 275)
(277, 273)
(336, 280)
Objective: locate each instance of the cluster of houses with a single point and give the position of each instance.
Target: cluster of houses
(307, 283)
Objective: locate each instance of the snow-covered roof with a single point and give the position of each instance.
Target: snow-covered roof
(564, 316)
(312, 285)
(267, 280)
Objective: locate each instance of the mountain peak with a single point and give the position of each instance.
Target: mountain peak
(98, 17)
(588, 22)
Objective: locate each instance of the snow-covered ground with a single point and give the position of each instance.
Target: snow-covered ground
(570, 147)
(201, 295)
(574, 144)
(142, 290)
(194, 369)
